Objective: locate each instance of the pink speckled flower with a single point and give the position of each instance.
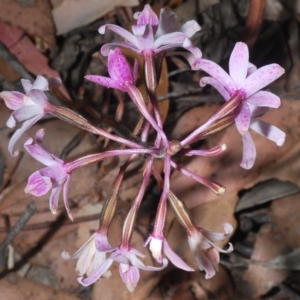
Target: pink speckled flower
(205, 251)
(247, 81)
(119, 71)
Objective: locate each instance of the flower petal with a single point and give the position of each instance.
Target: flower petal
(27, 112)
(238, 64)
(121, 32)
(264, 98)
(175, 259)
(13, 100)
(139, 264)
(105, 81)
(167, 22)
(85, 259)
(269, 131)
(39, 98)
(216, 84)
(190, 28)
(102, 244)
(261, 78)
(130, 277)
(27, 85)
(249, 151)
(242, 118)
(97, 274)
(218, 236)
(38, 185)
(66, 196)
(171, 39)
(39, 153)
(18, 133)
(41, 83)
(54, 197)
(217, 73)
(106, 47)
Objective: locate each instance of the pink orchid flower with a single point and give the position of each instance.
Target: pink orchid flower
(29, 107)
(157, 245)
(153, 35)
(128, 268)
(53, 177)
(205, 251)
(245, 79)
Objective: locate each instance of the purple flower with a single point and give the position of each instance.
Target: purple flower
(27, 107)
(153, 35)
(53, 177)
(156, 245)
(89, 258)
(119, 71)
(128, 268)
(205, 251)
(246, 81)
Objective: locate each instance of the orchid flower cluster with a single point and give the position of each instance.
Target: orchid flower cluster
(153, 38)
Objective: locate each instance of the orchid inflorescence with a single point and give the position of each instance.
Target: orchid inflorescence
(153, 38)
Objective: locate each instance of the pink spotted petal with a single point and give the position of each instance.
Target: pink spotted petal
(264, 98)
(261, 78)
(217, 73)
(249, 152)
(216, 84)
(190, 28)
(105, 81)
(251, 68)
(118, 67)
(13, 100)
(175, 259)
(238, 64)
(96, 274)
(269, 131)
(38, 185)
(242, 118)
(41, 83)
(121, 32)
(19, 132)
(257, 111)
(130, 277)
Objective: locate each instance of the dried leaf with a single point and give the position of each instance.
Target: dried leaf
(71, 14)
(33, 17)
(266, 191)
